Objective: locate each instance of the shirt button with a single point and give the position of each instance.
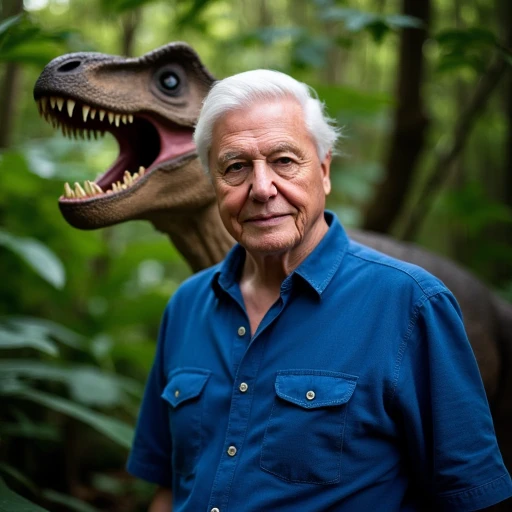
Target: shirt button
(214, 509)
(231, 451)
(177, 393)
(241, 330)
(310, 395)
(243, 387)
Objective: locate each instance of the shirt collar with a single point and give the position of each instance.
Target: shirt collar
(316, 270)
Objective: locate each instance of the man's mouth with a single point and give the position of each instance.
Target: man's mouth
(144, 143)
(267, 219)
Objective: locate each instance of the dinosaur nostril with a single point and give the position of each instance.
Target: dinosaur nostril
(69, 66)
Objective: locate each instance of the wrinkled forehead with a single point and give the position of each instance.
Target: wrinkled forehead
(261, 126)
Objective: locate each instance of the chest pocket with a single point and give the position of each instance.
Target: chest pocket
(184, 393)
(304, 436)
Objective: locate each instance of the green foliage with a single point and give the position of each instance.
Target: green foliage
(377, 25)
(10, 501)
(465, 48)
(37, 256)
(75, 354)
(24, 41)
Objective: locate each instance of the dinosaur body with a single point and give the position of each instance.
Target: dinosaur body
(150, 105)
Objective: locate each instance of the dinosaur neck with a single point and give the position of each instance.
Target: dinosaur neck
(198, 235)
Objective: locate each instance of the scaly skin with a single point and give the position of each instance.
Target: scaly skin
(176, 196)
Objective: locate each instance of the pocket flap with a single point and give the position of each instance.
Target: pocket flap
(315, 388)
(185, 384)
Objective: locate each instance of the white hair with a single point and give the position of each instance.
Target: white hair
(244, 89)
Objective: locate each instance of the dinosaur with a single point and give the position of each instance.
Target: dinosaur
(150, 105)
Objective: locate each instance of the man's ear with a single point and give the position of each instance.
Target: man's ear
(326, 172)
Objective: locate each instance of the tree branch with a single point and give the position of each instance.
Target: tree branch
(442, 167)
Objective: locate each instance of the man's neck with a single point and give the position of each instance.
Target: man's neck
(263, 274)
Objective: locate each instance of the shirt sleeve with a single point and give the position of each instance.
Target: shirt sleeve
(150, 456)
(447, 424)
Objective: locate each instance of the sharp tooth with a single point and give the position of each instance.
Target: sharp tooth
(52, 101)
(71, 106)
(96, 188)
(118, 184)
(60, 103)
(44, 103)
(88, 188)
(102, 114)
(68, 192)
(127, 178)
(142, 170)
(114, 187)
(111, 117)
(135, 176)
(130, 118)
(117, 118)
(124, 119)
(123, 186)
(79, 191)
(93, 113)
(85, 112)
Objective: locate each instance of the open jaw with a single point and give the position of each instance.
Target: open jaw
(144, 141)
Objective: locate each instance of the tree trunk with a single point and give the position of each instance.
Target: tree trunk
(410, 124)
(9, 87)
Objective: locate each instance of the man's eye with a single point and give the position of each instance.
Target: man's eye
(235, 167)
(284, 160)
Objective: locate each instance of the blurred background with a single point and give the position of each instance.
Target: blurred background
(423, 91)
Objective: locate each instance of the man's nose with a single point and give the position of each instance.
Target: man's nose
(263, 187)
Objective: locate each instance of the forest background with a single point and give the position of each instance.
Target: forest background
(423, 91)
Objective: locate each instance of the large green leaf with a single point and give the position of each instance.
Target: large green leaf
(17, 475)
(39, 257)
(10, 501)
(114, 429)
(8, 23)
(72, 504)
(10, 339)
(87, 384)
(40, 328)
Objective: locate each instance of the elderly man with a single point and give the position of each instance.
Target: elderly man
(307, 372)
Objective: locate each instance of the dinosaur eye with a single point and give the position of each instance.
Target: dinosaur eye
(169, 80)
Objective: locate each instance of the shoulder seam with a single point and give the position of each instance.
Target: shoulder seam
(429, 292)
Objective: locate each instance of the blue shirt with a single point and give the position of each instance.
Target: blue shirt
(358, 392)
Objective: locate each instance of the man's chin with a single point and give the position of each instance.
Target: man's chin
(270, 243)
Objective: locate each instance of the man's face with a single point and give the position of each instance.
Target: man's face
(269, 181)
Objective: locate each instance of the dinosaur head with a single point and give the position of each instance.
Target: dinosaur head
(150, 105)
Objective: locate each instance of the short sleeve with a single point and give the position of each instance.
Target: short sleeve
(447, 424)
(150, 456)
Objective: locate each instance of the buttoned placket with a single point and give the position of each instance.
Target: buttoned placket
(241, 400)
